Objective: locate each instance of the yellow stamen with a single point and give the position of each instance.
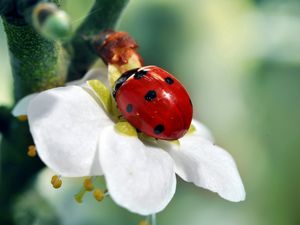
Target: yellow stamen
(88, 184)
(192, 129)
(103, 94)
(99, 195)
(79, 196)
(22, 118)
(31, 152)
(56, 181)
(126, 129)
(144, 222)
(176, 142)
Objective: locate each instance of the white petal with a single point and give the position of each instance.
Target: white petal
(208, 166)
(202, 130)
(100, 74)
(65, 124)
(93, 74)
(22, 105)
(140, 178)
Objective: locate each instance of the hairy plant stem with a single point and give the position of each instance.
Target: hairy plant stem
(103, 16)
(37, 64)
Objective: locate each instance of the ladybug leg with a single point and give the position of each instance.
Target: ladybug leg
(147, 139)
(138, 131)
(121, 118)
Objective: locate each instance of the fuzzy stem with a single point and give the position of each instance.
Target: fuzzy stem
(37, 64)
(103, 16)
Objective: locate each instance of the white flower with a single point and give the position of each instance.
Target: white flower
(75, 137)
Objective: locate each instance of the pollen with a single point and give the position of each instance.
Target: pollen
(88, 184)
(56, 181)
(22, 118)
(31, 152)
(99, 195)
(144, 222)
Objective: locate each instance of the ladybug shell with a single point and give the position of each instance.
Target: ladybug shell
(154, 102)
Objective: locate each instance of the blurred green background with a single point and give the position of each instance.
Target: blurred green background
(240, 60)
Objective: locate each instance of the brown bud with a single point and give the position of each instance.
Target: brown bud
(115, 47)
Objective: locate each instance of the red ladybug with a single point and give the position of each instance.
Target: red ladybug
(154, 102)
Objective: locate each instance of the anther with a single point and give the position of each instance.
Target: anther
(22, 118)
(88, 184)
(99, 195)
(56, 181)
(31, 152)
(144, 222)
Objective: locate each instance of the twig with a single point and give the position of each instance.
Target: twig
(103, 16)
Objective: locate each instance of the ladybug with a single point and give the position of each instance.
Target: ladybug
(154, 102)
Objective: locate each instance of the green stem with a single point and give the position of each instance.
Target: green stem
(103, 16)
(37, 64)
(19, 12)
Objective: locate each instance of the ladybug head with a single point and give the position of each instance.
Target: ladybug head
(138, 73)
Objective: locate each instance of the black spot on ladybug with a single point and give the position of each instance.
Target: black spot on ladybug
(139, 74)
(150, 95)
(159, 129)
(122, 80)
(169, 80)
(129, 108)
(191, 102)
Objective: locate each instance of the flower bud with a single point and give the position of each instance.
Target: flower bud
(51, 22)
